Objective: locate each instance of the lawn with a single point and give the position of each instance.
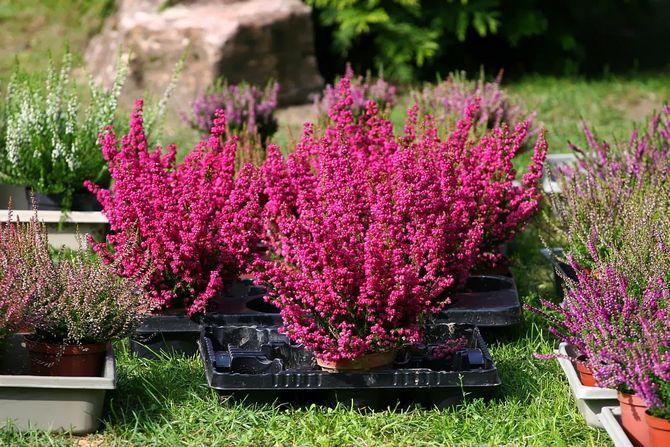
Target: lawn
(167, 402)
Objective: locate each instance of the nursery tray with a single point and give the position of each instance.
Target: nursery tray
(178, 334)
(590, 399)
(260, 364)
(72, 404)
(486, 301)
(165, 335)
(561, 269)
(610, 418)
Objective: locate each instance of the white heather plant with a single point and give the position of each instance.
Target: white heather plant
(50, 137)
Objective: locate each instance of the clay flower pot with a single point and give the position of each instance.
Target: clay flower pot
(585, 374)
(365, 363)
(47, 359)
(633, 419)
(659, 430)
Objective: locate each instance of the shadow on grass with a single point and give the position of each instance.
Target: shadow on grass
(149, 390)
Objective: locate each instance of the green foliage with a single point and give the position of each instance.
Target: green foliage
(50, 135)
(405, 33)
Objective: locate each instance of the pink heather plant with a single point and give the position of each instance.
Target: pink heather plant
(449, 99)
(363, 89)
(503, 206)
(248, 109)
(372, 231)
(196, 224)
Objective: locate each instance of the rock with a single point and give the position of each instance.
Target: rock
(241, 40)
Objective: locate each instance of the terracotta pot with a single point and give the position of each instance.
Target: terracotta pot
(365, 363)
(585, 374)
(48, 359)
(659, 431)
(633, 419)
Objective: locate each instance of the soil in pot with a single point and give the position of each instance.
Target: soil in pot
(633, 419)
(659, 431)
(365, 363)
(47, 359)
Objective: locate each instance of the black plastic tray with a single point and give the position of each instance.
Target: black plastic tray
(178, 334)
(165, 335)
(561, 269)
(260, 364)
(487, 301)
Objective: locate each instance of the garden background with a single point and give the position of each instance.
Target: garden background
(605, 62)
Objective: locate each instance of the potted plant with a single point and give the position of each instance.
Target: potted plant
(74, 306)
(50, 138)
(449, 99)
(609, 183)
(20, 282)
(364, 240)
(196, 223)
(504, 205)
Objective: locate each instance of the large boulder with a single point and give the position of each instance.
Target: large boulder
(241, 40)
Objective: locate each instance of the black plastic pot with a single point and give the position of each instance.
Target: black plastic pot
(562, 270)
(81, 201)
(258, 364)
(486, 301)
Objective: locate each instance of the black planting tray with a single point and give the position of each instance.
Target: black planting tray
(258, 363)
(178, 334)
(486, 301)
(165, 335)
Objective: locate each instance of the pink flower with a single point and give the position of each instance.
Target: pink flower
(371, 232)
(196, 224)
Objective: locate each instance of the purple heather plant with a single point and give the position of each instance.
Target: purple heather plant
(619, 194)
(87, 302)
(21, 283)
(449, 99)
(363, 89)
(248, 109)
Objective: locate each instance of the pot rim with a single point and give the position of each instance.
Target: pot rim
(657, 422)
(631, 399)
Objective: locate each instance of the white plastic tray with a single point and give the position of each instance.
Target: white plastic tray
(590, 399)
(65, 234)
(610, 417)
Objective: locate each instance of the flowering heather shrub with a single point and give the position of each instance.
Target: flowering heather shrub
(372, 231)
(449, 99)
(363, 89)
(618, 193)
(21, 283)
(50, 140)
(248, 109)
(196, 224)
(643, 156)
(503, 206)
(87, 302)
